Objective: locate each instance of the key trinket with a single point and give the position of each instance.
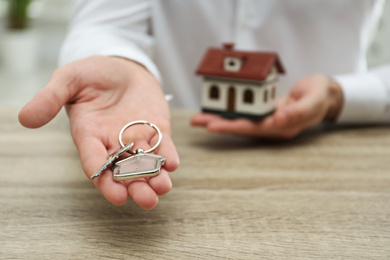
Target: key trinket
(139, 164)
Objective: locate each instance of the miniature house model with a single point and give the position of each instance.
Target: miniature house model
(239, 83)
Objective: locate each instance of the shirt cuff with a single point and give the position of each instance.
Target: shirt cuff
(85, 42)
(139, 57)
(365, 99)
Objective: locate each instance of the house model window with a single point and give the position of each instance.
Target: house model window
(214, 92)
(273, 92)
(232, 64)
(265, 96)
(248, 96)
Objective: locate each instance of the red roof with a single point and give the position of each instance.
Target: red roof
(255, 65)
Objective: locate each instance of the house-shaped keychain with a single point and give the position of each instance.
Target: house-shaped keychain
(239, 83)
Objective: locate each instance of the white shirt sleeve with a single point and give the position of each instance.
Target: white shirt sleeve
(111, 28)
(366, 97)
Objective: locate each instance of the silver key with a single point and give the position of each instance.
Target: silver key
(139, 165)
(112, 158)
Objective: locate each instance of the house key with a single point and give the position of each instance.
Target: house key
(139, 164)
(111, 159)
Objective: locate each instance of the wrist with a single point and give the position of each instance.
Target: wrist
(336, 100)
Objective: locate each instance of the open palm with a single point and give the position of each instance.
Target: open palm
(312, 99)
(101, 95)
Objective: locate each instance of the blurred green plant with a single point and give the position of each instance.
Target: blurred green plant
(18, 14)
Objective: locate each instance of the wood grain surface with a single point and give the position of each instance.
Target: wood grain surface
(325, 195)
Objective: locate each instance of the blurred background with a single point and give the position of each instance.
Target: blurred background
(29, 51)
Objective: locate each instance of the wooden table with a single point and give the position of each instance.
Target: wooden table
(325, 195)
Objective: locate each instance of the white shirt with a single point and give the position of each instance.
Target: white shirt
(169, 38)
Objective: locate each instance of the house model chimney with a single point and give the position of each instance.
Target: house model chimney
(229, 46)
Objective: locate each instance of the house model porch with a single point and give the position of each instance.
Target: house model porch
(239, 83)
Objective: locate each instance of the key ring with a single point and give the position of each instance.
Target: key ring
(139, 164)
(141, 122)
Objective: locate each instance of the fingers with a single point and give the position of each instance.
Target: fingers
(46, 103)
(145, 191)
(161, 184)
(215, 123)
(167, 148)
(92, 155)
(142, 194)
(203, 119)
(238, 126)
(275, 125)
(308, 100)
(303, 112)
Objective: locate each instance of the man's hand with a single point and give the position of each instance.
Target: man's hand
(312, 100)
(101, 95)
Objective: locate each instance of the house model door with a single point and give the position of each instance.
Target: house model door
(231, 101)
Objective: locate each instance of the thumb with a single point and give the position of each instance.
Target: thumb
(46, 103)
(306, 107)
